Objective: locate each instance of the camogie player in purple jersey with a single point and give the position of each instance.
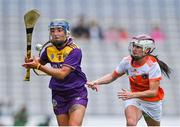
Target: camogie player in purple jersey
(69, 94)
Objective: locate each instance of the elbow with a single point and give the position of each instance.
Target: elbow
(112, 79)
(60, 77)
(154, 93)
(60, 74)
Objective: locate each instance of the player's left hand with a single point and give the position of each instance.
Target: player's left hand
(33, 63)
(125, 94)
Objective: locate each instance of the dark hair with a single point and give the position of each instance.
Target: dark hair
(166, 70)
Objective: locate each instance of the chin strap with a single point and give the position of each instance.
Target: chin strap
(59, 44)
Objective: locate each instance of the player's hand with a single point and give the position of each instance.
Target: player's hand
(125, 94)
(26, 60)
(93, 85)
(31, 63)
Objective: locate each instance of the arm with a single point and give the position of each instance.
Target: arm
(108, 78)
(26, 60)
(118, 72)
(104, 80)
(59, 73)
(152, 92)
(70, 63)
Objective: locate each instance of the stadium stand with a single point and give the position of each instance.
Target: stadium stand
(99, 58)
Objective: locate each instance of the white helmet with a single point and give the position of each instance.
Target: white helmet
(143, 41)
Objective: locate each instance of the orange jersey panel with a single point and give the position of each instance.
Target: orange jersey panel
(141, 83)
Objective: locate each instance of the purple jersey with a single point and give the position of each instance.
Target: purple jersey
(70, 55)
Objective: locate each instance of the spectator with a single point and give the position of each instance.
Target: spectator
(21, 117)
(81, 30)
(46, 122)
(95, 31)
(123, 35)
(111, 35)
(157, 34)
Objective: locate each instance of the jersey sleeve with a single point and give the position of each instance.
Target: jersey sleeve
(73, 60)
(44, 56)
(121, 68)
(155, 72)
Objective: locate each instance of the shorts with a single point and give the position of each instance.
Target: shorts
(152, 109)
(63, 100)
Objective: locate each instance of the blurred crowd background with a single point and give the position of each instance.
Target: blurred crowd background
(102, 28)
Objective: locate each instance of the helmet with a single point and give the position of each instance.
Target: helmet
(143, 41)
(60, 23)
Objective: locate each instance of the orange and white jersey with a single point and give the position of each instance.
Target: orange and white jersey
(141, 75)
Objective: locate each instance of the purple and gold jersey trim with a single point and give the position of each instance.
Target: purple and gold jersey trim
(55, 55)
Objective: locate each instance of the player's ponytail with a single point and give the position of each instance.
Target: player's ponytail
(166, 70)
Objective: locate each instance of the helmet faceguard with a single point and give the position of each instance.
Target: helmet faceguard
(59, 23)
(145, 42)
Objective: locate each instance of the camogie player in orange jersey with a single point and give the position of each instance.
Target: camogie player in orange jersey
(144, 72)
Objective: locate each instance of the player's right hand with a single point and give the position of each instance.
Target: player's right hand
(93, 85)
(26, 60)
(31, 63)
